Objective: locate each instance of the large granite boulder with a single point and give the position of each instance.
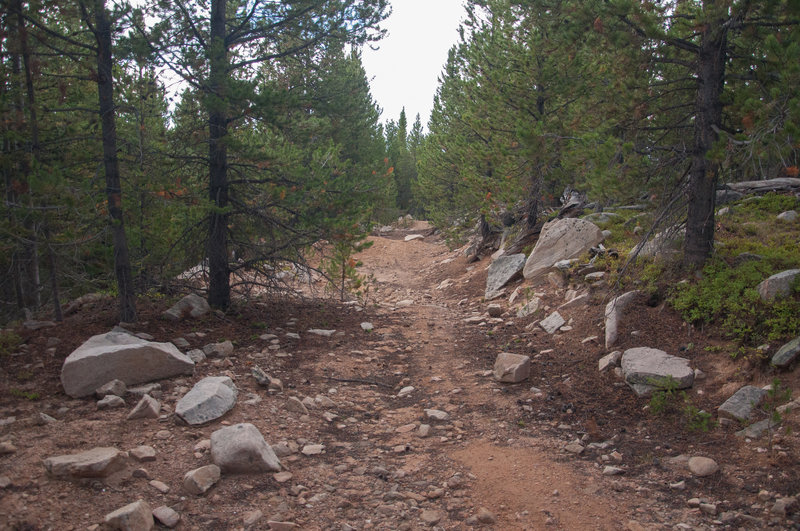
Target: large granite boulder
(778, 285)
(117, 355)
(241, 448)
(561, 239)
(502, 271)
(648, 369)
(192, 305)
(208, 400)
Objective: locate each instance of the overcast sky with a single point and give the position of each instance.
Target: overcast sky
(403, 72)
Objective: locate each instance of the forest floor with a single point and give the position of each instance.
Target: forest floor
(498, 462)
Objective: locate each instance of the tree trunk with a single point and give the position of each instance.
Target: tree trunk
(219, 290)
(58, 315)
(105, 90)
(703, 172)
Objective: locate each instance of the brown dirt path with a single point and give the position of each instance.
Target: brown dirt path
(498, 462)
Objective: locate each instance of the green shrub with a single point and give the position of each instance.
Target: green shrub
(9, 343)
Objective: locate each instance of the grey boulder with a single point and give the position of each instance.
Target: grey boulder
(740, 406)
(502, 271)
(561, 239)
(115, 355)
(241, 448)
(511, 368)
(136, 516)
(646, 369)
(191, 305)
(94, 463)
(778, 285)
(208, 400)
(787, 353)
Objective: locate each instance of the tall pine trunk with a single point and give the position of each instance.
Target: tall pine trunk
(703, 172)
(219, 291)
(105, 90)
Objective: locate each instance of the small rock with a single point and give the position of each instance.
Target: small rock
(143, 454)
(613, 471)
(282, 477)
(552, 322)
(494, 310)
(241, 448)
(251, 518)
(436, 414)
(741, 405)
(208, 400)
(114, 387)
(94, 463)
(485, 516)
(367, 327)
(787, 353)
(160, 486)
(511, 368)
(788, 216)
(295, 405)
(322, 333)
(312, 449)
(191, 305)
(282, 526)
(574, 448)
(424, 430)
(110, 402)
(708, 508)
(147, 408)
(702, 466)
(136, 516)
(7, 448)
(196, 355)
(405, 391)
(167, 516)
(218, 350)
(199, 480)
(430, 518)
(609, 361)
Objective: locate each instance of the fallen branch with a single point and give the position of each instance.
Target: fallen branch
(360, 380)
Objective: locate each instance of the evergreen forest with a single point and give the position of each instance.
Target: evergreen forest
(141, 143)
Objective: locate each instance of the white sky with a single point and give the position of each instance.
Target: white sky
(404, 71)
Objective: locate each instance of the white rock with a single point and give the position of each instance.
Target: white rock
(208, 400)
(110, 402)
(367, 327)
(552, 322)
(116, 355)
(412, 237)
(609, 361)
(529, 308)
(241, 448)
(613, 314)
(405, 391)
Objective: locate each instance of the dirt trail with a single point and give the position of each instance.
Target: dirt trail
(499, 461)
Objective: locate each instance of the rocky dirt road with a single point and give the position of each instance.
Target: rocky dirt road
(414, 431)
